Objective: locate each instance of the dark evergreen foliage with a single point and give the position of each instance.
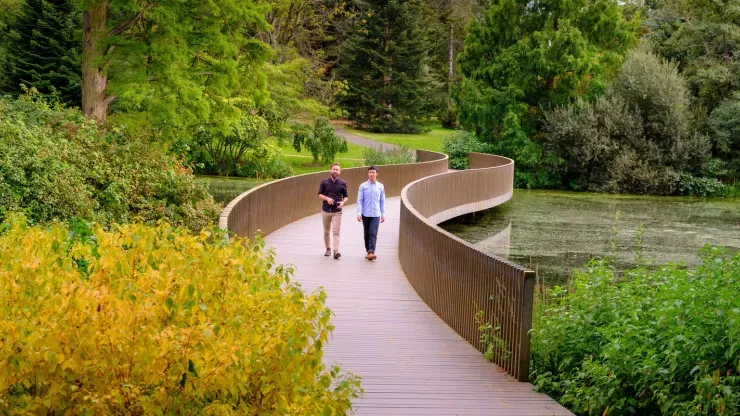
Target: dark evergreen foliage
(45, 50)
(384, 63)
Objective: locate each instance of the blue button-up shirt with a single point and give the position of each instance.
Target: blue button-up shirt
(371, 199)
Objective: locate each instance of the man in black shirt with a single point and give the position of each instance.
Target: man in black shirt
(333, 191)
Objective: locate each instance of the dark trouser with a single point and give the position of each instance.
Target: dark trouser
(370, 224)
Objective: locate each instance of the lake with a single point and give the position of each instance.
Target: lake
(552, 232)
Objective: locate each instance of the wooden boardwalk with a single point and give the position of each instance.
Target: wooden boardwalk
(410, 361)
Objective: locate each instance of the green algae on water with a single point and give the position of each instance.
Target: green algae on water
(553, 232)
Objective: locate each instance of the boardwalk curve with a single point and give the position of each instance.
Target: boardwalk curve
(410, 361)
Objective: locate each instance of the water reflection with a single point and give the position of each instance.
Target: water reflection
(553, 232)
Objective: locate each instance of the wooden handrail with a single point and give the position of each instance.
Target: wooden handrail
(457, 279)
(273, 205)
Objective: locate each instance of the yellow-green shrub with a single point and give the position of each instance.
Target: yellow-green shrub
(155, 320)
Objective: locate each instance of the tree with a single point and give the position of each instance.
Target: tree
(177, 63)
(384, 63)
(637, 138)
(226, 151)
(45, 52)
(703, 37)
(9, 13)
(322, 141)
(724, 124)
(312, 30)
(447, 20)
(522, 57)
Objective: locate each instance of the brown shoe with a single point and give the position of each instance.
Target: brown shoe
(371, 256)
(367, 256)
(328, 252)
(337, 255)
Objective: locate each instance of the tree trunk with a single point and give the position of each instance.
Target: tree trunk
(452, 54)
(94, 78)
(389, 66)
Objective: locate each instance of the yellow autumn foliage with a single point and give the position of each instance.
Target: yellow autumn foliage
(157, 321)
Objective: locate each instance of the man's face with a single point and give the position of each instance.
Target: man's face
(372, 174)
(335, 171)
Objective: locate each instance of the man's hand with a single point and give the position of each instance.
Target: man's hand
(359, 218)
(382, 219)
(329, 201)
(340, 205)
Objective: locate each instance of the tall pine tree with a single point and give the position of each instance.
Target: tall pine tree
(45, 52)
(384, 63)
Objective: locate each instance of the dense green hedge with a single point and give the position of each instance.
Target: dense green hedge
(651, 341)
(55, 165)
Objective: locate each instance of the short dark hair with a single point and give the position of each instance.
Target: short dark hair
(372, 167)
(335, 164)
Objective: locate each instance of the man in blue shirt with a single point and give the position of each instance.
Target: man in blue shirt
(371, 209)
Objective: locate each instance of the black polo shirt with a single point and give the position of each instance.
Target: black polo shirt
(336, 190)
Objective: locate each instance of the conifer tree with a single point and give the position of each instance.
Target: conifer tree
(384, 63)
(45, 52)
(177, 64)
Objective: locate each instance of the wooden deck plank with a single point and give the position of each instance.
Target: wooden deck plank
(410, 361)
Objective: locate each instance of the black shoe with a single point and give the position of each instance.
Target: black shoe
(337, 255)
(328, 252)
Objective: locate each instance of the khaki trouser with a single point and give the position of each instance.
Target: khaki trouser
(332, 223)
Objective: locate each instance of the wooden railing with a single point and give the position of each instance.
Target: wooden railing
(457, 279)
(273, 205)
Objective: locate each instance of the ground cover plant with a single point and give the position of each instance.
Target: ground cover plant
(652, 340)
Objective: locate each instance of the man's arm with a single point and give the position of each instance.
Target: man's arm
(345, 196)
(360, 201)
(382, 205)
(324, 197)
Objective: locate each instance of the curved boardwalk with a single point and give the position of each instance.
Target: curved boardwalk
(410, 361)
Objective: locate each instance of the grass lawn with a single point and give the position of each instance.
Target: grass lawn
(354, 152)
(303, 165)
(431, 140)
(302, 162)
(224, 188)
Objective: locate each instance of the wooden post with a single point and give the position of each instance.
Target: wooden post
(526, 325)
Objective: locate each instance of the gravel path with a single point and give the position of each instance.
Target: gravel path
(361, 141)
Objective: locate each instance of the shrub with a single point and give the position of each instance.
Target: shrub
(54, 164)
(222, 153)
(266, 162)
(459, 145)
(155, 320)
(322, 141)
(724, 123)
(655, 89)
(698, 186)
(448, 116)
(389, 156)
(659, 340)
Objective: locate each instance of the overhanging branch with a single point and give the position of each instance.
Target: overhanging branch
(127, 24)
